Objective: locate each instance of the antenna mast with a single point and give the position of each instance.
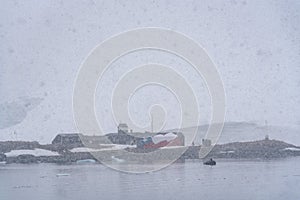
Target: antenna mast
(151, 122)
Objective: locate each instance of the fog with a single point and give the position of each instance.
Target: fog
(255, 46)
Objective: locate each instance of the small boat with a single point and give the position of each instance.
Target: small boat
(210, 162)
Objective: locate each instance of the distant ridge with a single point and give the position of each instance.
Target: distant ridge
(250, 131)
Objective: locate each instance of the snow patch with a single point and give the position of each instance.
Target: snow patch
(167, 137)
(107, 148)
(34, 152)
(291, 149)
(221, 152)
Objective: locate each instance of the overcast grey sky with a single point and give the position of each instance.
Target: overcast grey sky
(254, 44)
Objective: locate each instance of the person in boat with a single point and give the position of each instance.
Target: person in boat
(210, 162)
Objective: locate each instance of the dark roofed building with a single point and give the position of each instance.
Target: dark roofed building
(123, 128)
(122, 138)
(68, 139)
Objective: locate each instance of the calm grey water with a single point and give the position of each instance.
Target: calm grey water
(274, 180)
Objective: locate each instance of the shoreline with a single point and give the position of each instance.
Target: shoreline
(253, 150)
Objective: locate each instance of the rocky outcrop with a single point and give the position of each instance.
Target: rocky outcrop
(263, 149)
(2, 157)
(8, 146)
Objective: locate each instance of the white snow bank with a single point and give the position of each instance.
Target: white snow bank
(292, 149)
(122, 146)
(167, 137)
(226, 152)
(83, 149)
(34, 152)
(58, 175)
(173, 147)
(109, 148)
